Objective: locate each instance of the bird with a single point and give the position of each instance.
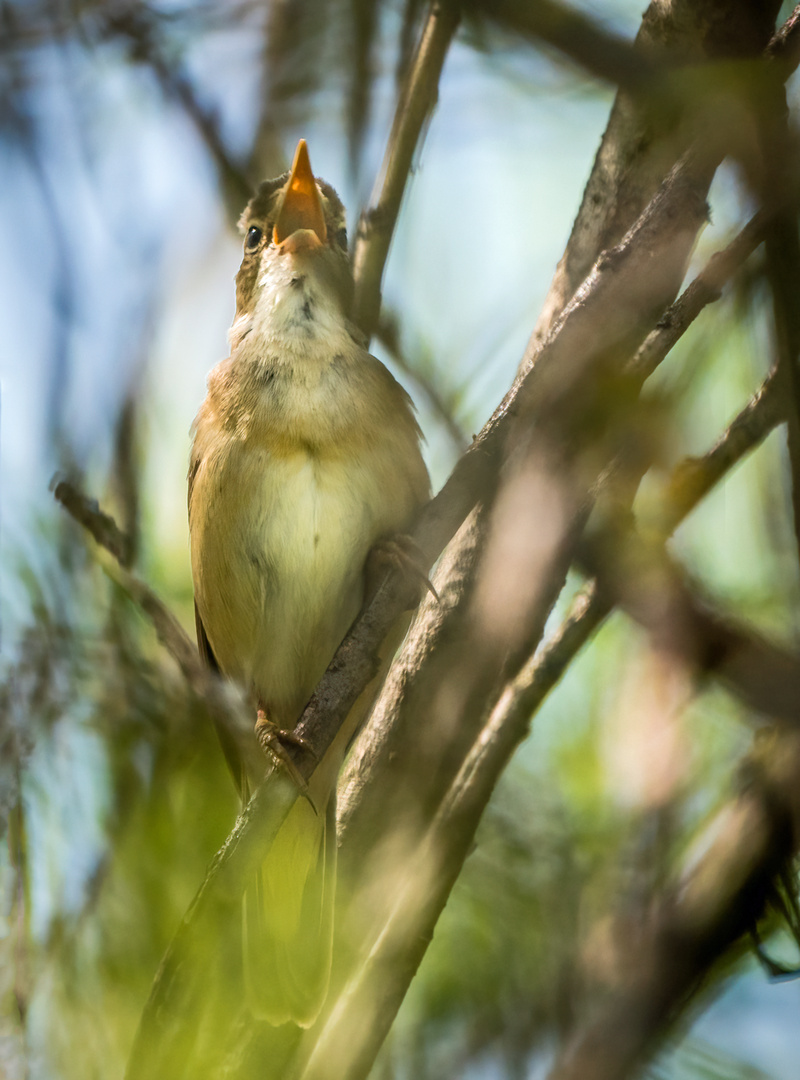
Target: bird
(306, 458)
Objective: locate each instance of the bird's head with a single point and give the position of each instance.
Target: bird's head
(294, 227)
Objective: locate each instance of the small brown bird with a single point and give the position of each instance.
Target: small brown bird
(306, 454)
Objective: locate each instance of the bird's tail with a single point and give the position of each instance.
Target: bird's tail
(288, 910)
(288, 918)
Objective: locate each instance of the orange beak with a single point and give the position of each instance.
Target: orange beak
(301, 222)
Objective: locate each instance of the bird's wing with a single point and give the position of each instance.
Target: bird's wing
(227, 740)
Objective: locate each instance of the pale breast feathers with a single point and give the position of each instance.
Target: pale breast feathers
(290, 487)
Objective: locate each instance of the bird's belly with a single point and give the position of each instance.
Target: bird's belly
(279, 569)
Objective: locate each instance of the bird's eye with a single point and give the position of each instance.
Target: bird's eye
(253, 238)
(341, 238)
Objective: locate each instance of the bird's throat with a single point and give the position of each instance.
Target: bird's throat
(295, 313)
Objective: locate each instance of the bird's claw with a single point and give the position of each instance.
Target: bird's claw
(403, 553)
(273, 741)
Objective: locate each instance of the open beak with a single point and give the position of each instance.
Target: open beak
(301, 223)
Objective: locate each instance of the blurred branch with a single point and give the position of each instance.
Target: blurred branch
(125, 471)
(784, 47)
(107, 534)
(367, 1005)
(184, 993)
(668, 956)
(101, 526)
(415, 105)
(388, 333)
(705, 289)
(20, 914)
(363, 22)
(638, 575)
(583, 40)
(138, 24)
(778, 183)
(693, 478)
(642, 143)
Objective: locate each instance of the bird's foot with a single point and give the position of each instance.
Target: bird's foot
(402, 553)
(274, 740)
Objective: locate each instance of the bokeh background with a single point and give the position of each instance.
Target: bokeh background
(128, 133)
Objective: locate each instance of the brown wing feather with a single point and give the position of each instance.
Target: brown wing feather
(203, 644)
(226, 738)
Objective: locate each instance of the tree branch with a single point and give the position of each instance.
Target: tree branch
(640, 577)
(137, 23)
(367, 1006)
(591, 46)
(605, 323)
(598, 321)
(641, 144)
(387, 738)
(704, 290)
(87, 512)
(416, 103)
(722, 893)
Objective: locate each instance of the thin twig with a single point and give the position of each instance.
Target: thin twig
(224, 707)
(388, 333)
(785, 45)
(106, 533)
(87, 512)
(416, 103)
(138, 24)
(705, 289)
(695, 477)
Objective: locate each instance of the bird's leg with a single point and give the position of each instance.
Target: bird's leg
(273, 741)
(400, 552)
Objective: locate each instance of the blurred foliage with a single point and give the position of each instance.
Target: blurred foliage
(113, 793)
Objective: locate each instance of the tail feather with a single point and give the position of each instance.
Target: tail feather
(288, 919)
(288, 908)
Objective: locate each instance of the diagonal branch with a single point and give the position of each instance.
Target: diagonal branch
(87, 512)
(581, 39)
(610, 315)
(367, 1006)
(640, 577)
(138, 24)
(415, 106)
(642, 143)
